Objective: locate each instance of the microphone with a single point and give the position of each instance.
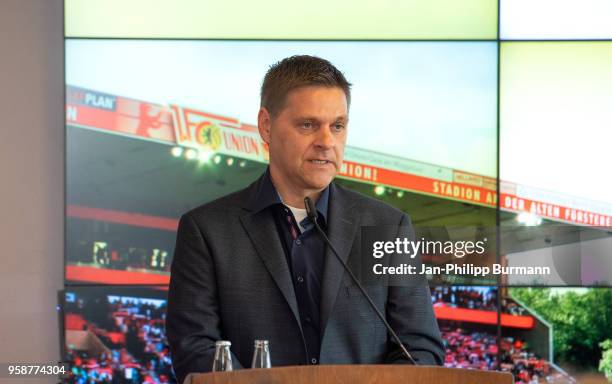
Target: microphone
(311, 211)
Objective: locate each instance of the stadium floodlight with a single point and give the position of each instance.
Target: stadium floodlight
(242, 164)
(528, 219)
(177, 151)
(216, 159)
(191, 154)
(230, 161)
(204, 156)
(400, 194)
(379, 190)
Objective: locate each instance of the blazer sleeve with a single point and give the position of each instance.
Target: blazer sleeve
(410, 313)
(192, 322)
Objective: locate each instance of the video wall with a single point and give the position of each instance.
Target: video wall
(472, 114)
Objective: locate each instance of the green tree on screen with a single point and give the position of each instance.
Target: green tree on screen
(581, 321)
(605, 364)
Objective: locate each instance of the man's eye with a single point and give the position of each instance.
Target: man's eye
(307, 125)
(338, 127)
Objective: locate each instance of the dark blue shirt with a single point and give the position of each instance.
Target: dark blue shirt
(305, 256)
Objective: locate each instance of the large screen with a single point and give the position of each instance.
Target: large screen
(118, 334)
(555, 120)
(276, 19)
(465, 115)
(136, 160)
(555, 19)
(401, 105)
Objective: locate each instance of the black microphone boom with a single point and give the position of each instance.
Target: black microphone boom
(312, 215)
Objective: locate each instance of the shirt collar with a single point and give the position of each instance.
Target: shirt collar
(267, 196)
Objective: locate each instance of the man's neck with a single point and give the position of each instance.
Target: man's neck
(291, 196)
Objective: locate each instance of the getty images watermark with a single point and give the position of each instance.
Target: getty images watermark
(547, 255)
(459, 249)
(553, 255)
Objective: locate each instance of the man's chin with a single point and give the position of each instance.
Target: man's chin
(319, 183)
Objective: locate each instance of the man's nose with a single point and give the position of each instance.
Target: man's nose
(325, 138)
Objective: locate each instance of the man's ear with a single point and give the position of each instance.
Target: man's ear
(264, 122)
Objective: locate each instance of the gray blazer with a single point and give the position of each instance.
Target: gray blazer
(230, 281)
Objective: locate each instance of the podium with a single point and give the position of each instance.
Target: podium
(352, 374)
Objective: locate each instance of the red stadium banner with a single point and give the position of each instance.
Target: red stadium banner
(116, 114)
(96, 275)
(554, 211)
(483, 317)
(213, 133)
(119, 217)
(447, 189)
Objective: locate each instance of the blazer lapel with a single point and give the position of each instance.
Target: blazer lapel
(341, 229)
(262, 231)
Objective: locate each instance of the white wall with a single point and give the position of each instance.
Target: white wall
(31, 179)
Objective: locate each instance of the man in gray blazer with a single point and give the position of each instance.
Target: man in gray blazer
(251, 266)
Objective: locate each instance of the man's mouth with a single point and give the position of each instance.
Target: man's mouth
(320, 162)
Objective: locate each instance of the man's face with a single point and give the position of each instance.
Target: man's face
(307, 137)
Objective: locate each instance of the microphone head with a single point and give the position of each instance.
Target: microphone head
(311, 211)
